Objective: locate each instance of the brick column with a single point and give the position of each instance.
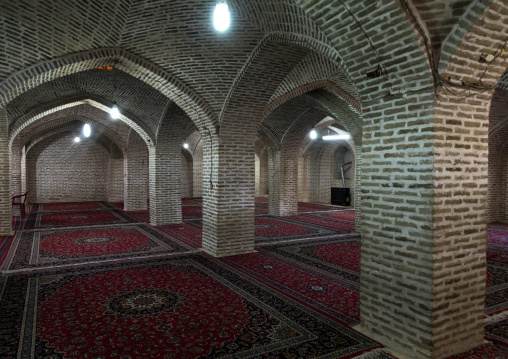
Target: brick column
(274, 182)
(165, 182)
(16, 155)
(228, 204)
(136, 174)
(5, 176)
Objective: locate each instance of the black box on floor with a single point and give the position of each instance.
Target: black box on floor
(341, 196)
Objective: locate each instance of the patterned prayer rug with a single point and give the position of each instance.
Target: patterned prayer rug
(486, 351)
(17, 223)
(311, 207)
(313, 218)
(260, 209)
(186, 308)
(67, 206)
(186, 232)
(43, 249)
(190, 202)
(268, 229)
(192, 211)
(318, 290)
(497, 245)
(141, 216)
(118, 205)
(75, 219)
(338, 257)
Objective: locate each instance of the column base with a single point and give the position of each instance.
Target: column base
(219, 255)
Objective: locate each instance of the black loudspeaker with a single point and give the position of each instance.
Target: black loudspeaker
(341, 196)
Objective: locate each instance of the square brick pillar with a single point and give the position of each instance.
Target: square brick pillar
(165, 183)
(5, 177)
(283, 183)
(136, 174)
(228, 202)
(424, 196)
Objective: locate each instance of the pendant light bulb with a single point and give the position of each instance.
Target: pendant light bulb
(186, 145)
(114, 111)
(77, 139)
(313, 134)
(87, 130)
(221, 16)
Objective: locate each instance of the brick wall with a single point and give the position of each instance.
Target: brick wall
(197, 170)
(498, 170)
(60, 170)
(5, 174)
(187, 175)
(116, 180)
(136, 174)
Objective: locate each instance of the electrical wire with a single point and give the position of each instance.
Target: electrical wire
(381, 66)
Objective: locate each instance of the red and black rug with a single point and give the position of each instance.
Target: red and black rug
(323, 219)
(187, 232)
(317, 289)
(311, 207)
(338, 257)
(192, 212)
(497, 245)
(47, 249)
(43, 220)
(140, 216)
(186, 308)
(67, 206)
(269, 229)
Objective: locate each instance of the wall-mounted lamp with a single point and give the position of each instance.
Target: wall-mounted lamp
(313, 134)
(77, 139)
(186, 145)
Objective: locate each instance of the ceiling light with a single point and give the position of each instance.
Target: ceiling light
(313, 134)
(114, 111)
(336, 137)
(221, 16)
(87, 130)
(185, 145)
(77, 139)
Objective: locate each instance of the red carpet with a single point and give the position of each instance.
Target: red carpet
(326, 222)
(192, 211)
(75, 219)
(141, 216)
(66, 206)
(268, 229)
(486, 351)
(192, 308)
(323, 292)
(41, 249)
(311, 207)
(186, 232)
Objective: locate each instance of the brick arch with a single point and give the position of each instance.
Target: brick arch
(460, 29)
(461, 157)
(53, 125)
(134, 65)
(68, 127)
(68, 105)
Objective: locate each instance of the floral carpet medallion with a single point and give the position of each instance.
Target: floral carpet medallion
(62, 247)
(45, 220)
(338, 256)
(185, 308)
